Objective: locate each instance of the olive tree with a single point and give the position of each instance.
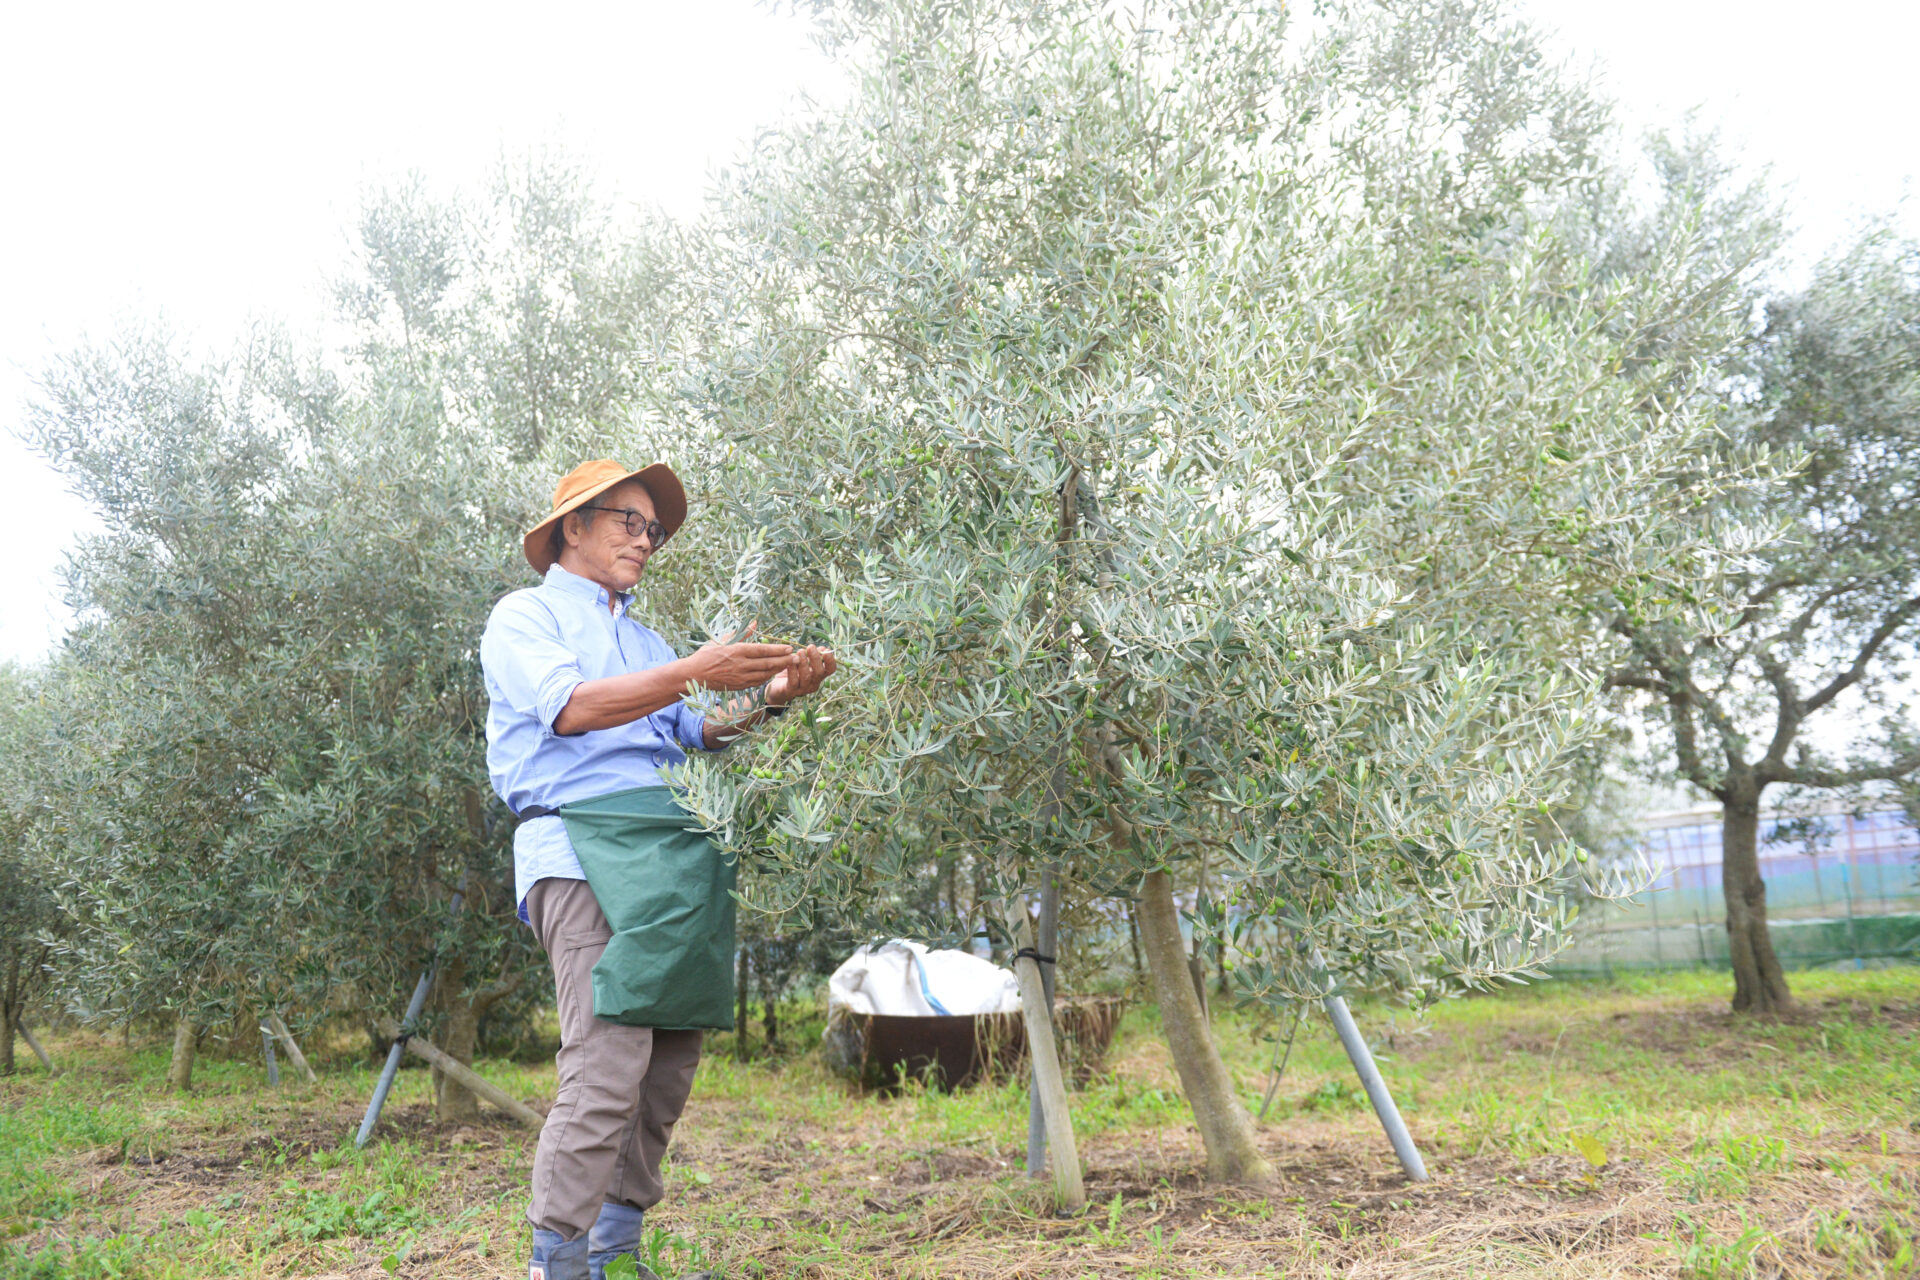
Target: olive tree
(277, 757)
(30, 920)
(1819, 627)
(167, 729)
(1200, 451)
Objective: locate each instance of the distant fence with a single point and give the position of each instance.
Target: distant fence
(1841, 887)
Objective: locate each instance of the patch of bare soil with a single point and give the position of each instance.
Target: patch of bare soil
(1837, 1008)
(213, 1159)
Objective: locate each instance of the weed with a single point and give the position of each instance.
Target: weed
(1335, 1094)
(90, 1258)
(1110, 1235)
(1703, 1257)
(1861, 1247)
(327, 1215)
(1726, 1170)
(670, 1254)
(202, 1221)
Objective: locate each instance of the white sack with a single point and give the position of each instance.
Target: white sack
(904, 978)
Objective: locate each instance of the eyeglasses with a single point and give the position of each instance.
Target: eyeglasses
(636, 522)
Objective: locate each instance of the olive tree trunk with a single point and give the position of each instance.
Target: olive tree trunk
(24, 972)
(1759, 985)
(742, 962)
(1226, 1127)
(1133, 938)
(459, 1036)
(186, 1042)
(10, 1010)
(770, 1019)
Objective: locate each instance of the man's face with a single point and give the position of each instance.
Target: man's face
(604, 551)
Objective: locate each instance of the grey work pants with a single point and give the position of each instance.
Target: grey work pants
(621, 1088)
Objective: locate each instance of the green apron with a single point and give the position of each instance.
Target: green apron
(668, 893)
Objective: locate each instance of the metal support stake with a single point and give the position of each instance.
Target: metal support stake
(399, 1047)
(1280, 1059)
(1653, 905)
(1376, 1087)
(273, 1063)
(1853, 928)
(1047, 942)
(20, 1025)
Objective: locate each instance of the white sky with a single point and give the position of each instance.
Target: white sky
(203, 161)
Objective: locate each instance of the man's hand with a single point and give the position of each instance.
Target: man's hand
(805, 671)
(797, 673)
(729, 664)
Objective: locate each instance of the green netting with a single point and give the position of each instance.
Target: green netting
(1800, 944)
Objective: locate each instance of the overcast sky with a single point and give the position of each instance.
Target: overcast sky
(202, 162)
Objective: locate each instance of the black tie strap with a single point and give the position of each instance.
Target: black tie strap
(533, 811)
(1028, 953)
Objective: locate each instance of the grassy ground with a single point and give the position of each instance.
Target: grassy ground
(1573, 1130)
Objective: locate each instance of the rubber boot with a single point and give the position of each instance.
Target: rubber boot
(558, 1259)
(616, 1234)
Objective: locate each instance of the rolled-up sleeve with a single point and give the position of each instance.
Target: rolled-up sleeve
(526, 661)
(691, 728)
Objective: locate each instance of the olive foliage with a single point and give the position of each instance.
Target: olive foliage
(1201, 448)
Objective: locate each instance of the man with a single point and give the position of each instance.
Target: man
(585, 719)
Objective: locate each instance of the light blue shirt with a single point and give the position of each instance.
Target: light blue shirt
(539, 646)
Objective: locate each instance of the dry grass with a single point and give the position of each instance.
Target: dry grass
(1733, 1148)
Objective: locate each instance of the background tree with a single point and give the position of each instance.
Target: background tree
(1201, 453)
(279, 758)
(1802, 680)
(168, 731)
(30, 919)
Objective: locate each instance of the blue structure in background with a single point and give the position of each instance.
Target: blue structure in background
(1840, 887)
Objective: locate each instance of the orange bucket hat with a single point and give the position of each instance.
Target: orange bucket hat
(591, 479)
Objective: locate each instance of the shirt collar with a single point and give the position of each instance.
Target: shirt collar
(573, 584)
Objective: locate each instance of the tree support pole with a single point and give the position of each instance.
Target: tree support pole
(273, 1063)
(394, 1054)
(466, 1075)
(1048, 946)
(285, 1037)
(1280, 1061)
(398, 1049)
(20, 1025)
(1376, 1087)
(1069, 1191)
